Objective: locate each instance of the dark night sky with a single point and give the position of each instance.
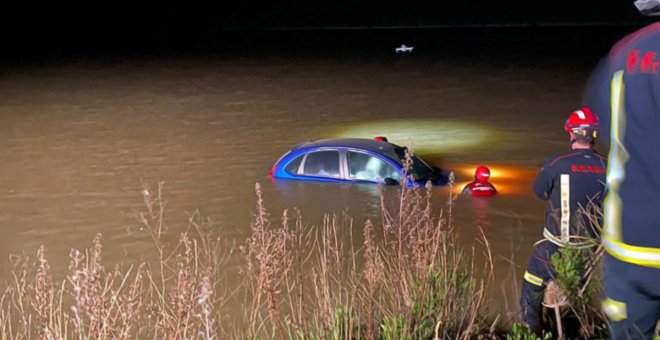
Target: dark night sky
(34, 27)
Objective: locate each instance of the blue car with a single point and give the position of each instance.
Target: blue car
(354, 160)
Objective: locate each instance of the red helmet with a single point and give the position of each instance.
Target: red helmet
(581, 119)
(482, 173)
(380, 139)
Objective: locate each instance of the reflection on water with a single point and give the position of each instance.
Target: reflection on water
(480, 211)
(80, 139)
(331, 197)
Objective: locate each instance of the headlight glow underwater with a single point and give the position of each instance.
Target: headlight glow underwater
(425, 136)
(437, 137)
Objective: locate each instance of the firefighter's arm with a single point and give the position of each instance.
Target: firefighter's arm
(544, 181)
(466, 190)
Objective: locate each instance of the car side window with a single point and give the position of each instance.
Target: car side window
(365, 167)
(322, 164)
(294, 165)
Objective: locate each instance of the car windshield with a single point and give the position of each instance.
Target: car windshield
(420, 170)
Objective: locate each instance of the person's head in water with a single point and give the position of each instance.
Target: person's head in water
(582, 126)
(482, 173)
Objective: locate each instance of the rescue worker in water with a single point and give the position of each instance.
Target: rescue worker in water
(572, 183)
(480, 187)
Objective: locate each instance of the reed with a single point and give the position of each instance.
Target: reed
(405, 275)
(411, 279)
(175, 297)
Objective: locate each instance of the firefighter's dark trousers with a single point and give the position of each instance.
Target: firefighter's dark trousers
(539, 273)
(632, 299)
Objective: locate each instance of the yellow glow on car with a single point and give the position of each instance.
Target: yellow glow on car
(429, 136)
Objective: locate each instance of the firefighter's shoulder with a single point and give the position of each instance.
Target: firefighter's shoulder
(553, 160)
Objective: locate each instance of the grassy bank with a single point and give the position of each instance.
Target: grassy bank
(409, 279)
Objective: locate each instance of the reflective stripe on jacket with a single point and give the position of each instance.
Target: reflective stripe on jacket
(624, 91)
(573, 184)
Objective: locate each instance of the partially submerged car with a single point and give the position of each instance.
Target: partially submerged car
(355, 160)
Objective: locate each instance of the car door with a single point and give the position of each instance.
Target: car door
(322, 164)
(367, 167)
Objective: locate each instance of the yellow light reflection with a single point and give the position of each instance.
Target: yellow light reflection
(445, 137)
(458, 187)
(498, 171)
(429, 136)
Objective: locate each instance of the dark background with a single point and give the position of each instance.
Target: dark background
(104, 28)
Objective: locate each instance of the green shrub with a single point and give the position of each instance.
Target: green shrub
(520, 332)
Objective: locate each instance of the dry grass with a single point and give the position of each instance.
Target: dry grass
(176, 298)
(410, 279)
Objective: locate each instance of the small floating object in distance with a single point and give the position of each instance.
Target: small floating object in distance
(404, 49)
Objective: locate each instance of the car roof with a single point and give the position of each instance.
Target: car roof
(383, 148)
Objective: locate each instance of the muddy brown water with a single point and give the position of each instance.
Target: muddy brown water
(79, 138)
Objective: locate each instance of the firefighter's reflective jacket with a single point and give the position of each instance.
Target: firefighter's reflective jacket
(574, 185)
(624, 91)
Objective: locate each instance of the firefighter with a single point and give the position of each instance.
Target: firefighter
(570, 183)
(625, 92)
(480, 187)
